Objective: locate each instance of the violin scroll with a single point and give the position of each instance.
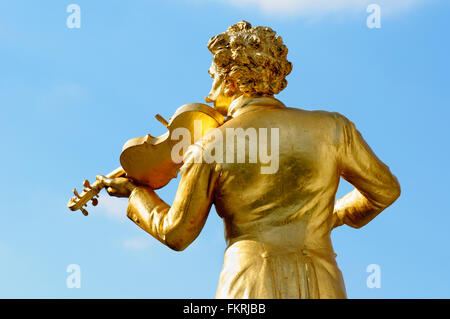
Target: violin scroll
(90, 193)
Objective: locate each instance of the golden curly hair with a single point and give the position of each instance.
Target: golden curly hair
(252, 61)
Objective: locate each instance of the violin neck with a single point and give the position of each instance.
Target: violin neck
(118, 172)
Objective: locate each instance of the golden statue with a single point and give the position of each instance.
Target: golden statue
(278, 218)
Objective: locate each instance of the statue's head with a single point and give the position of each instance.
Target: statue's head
(247, 61)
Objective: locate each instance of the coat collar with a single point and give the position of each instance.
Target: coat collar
(244, 104)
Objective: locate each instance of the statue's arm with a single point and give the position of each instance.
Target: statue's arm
(375, 186)
(176, 226)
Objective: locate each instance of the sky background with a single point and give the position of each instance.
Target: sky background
(70, 98)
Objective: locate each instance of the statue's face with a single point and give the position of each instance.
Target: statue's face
(217, 94)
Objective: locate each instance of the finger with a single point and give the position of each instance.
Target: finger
(104, 180)
(111, 191)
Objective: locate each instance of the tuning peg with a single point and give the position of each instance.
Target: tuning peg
(76, 193)
(84, 211)
(94, 202)
(87, 184)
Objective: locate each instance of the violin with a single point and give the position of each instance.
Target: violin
(148, 160)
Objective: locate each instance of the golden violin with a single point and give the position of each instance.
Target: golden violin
(148, 160)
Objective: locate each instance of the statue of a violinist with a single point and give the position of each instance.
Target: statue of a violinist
(277, 222)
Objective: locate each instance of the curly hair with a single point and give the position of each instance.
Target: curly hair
(252, 61)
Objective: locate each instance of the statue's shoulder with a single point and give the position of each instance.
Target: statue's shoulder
(333, 122)
(319, 114)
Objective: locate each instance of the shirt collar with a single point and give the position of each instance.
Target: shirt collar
(244, 104)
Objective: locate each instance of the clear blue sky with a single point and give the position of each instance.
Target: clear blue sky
(70, 98)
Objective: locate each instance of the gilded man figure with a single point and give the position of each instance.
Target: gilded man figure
(278, 225)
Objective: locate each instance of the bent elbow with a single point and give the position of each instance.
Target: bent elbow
(175, 242)
(395, 191)
(391, 194)
(357, 226)
(176, 246)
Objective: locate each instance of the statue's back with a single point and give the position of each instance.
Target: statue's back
(278, 224)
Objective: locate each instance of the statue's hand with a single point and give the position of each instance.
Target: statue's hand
(118, 187)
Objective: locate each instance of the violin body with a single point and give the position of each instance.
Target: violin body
(148, 160)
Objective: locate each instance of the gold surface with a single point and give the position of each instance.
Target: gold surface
(147, 159)
(277, 226)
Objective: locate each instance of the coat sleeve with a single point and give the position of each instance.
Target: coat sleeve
(375, 186)
(177, 226)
